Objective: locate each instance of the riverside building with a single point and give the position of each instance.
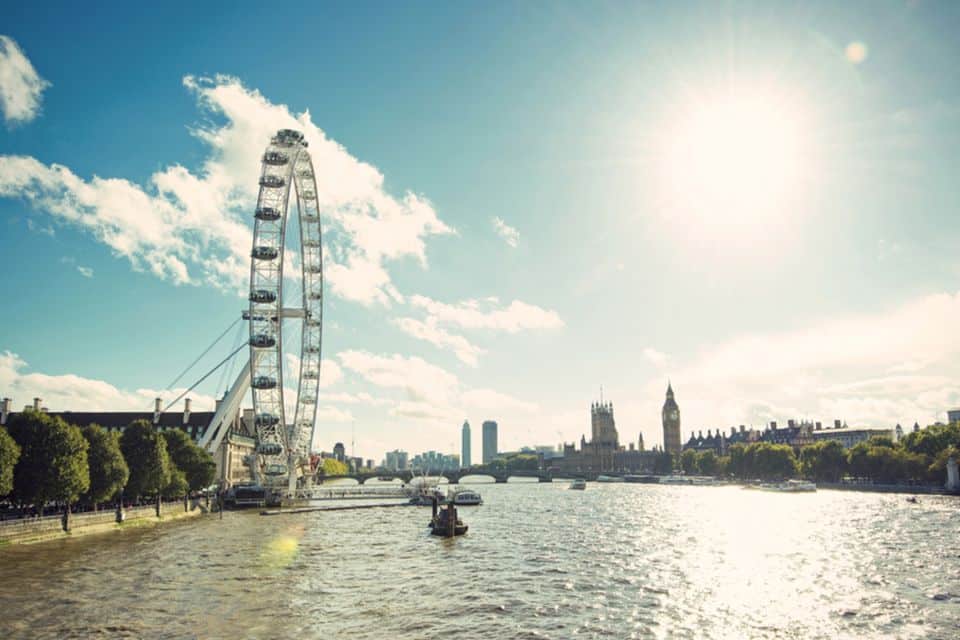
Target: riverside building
(465, 444)
(489, 441)
(238, 443)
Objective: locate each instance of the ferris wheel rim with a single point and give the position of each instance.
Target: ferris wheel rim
(286, 166)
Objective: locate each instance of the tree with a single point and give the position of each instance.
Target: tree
(708, 463)
(688, 461)
(773, 461)
(177, 486)
(108, 469)
(333, 467)
(53, 462)
(197, 465)
(932, 440)
(663, 463)
(824, 461)
(741, 461)
(9, 454)
(146, 454)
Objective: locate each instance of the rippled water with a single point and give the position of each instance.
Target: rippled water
(615, 561)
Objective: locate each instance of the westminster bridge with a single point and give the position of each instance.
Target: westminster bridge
(499, 476)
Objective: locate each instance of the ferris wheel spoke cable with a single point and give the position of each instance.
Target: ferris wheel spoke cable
(205, 376)
(200, 357)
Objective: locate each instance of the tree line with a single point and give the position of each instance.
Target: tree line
(921, 456)
(44, 459)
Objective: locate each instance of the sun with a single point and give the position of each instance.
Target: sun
(735, 159)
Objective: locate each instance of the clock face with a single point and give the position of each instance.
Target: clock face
(674, 415)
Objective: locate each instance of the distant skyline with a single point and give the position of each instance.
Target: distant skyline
(522, 202)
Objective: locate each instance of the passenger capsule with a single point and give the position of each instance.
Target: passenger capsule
(273, 182)
(265, 253)
(275, 158)
(262, 340)
(266, 420)
(275, 470)
(267, 213)
(264, 382)
(269, 449)
(263, 296)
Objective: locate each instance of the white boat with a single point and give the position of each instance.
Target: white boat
(674, 480)
(464, 497)
(579, 484)
(790, 486)
(602, 478)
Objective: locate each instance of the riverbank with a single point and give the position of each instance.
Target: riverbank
(34, 530)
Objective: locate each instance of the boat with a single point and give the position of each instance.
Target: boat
(641, 479)
(789, 486)
(603, 478)
(464, 497)
(579, 484)
(425, 497)
(674, 480)
(445, 522)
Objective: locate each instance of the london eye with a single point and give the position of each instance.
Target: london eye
(283, 441)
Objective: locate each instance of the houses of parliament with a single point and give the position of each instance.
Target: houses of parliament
(603, 452)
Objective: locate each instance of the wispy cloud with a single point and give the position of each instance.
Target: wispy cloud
(427, 392)
(21, 87)
(656, 357)
(509, 234)
(70, 392)
(86, 272)
(489, 314)
(897, 365)
(194, 227)
(428, 330)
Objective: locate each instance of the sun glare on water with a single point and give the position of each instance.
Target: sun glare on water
(735, 161)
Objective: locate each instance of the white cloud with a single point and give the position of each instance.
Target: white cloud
(429, 331)
(490, 400)
(428, 392)
(195, 227)
(20, 84)
(510, 235)
(483, 314)
(898, 365)
(69, 392)
(420, 380)
(332, 414)
(86, 272)
(656, 357)
(343, 397)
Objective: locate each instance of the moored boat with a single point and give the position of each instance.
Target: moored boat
(579, 484)
(464, 497)
(603, 478)
(788, 486)
(445, 522)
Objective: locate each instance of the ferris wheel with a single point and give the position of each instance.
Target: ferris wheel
(283, 441)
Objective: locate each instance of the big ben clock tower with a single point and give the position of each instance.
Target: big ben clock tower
(671, 424)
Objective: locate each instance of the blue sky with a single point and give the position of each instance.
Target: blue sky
(655, 221)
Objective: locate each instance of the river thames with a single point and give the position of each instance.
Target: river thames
(539, 561)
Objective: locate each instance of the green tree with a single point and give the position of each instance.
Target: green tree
(333, 467)
(824, 461)
(741, 461)
(53, 463)
(688, 461)
(932, 440)
(708, 463)
(145, 451)
(663, 463)
(177, 486)
(108, 469)
(9, 454)
(197, 465)
(773, 461)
